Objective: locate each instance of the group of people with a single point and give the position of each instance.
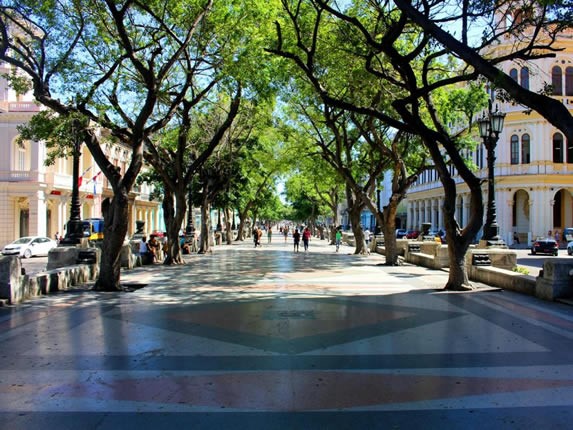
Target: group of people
(305, 238)
(152, 249)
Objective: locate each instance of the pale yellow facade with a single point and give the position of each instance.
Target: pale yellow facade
(534, 162)
(35, 198)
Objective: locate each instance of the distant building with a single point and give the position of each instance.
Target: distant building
(534, 163)
(34, 198)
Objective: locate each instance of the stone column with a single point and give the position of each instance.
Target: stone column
(38, 213)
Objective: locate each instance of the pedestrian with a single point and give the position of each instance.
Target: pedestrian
(557, 237)
(259, 236)
(367, 236)
(306, 238)
(515, 237)
(255, 236)
(285, 233)
(57, 237)
(338, 239)
(269, 234)
(296, 238)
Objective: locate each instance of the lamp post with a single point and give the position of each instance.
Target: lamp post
(190, 228)
(74, 231)
(490, 127)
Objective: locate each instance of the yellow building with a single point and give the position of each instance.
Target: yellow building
(34, 198)
(534, 163)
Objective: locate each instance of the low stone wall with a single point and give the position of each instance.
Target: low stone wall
(503, 278)
(556, 279)
(16, 288)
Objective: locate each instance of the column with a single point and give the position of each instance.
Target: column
(38, 214)
(434, 221)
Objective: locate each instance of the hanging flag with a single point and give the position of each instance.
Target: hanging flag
(94, 179)
(81, 178)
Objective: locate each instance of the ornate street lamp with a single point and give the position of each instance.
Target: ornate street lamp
(490, 127)
(74, 230)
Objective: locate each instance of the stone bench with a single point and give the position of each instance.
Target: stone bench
(16, 287)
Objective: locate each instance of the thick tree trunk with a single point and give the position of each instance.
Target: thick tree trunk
(354, 215)
(335, 222)
(389, 229)
(115, 213)
(228, 226)
(205, 245)
(242, 221)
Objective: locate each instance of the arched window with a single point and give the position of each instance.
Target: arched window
(525, 149)
(569, 81)
(569, 151)
(525, 78)
(513, 74)
(557, 81)
(514, 149)
(557, 148)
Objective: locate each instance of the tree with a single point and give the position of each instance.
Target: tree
(410, 68)
(183, 151)
(535, 26)
(125, 67)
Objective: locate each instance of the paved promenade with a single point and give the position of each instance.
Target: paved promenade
(270, 339)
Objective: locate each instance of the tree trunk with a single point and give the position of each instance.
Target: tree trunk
(115, 213)
(389, 229)
(228, 226)
(173, 221)
(242, 219)
(205, 245)
(354, 215)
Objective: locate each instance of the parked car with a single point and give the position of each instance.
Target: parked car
(401, 233)
(545, 246)
(570, 248)
(30, 246)
(412, 234)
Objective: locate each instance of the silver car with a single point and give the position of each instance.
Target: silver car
(30, 246)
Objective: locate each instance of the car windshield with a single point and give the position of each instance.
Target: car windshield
(22, 240)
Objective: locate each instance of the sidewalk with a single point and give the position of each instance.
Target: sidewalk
(267, 338)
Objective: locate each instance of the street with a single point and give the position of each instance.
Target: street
(267, 338)
(533, 263)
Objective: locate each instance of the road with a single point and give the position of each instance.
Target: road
(524, 258)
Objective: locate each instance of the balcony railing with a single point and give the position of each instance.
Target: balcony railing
(19, 107)
(21, 176)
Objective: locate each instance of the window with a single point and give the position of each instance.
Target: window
(556, 81)
(525, 78)
(557, 148)
(513, 74)
(525, 149)
(569, 152)
(514, 149)
(569, 81)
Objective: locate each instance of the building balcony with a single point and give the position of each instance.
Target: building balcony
(19, 107)
(21, 176)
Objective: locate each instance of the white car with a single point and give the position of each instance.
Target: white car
(30, 246)
(570, 248)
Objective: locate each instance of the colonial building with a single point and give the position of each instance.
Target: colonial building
(35, 198)
(534, 163)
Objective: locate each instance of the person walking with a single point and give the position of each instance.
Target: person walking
(306, 238)
(296, 238)
(285, 233)
(269, 234)
(338, 239)
(255, 236)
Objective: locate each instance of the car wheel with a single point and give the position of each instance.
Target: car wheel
(27, 253)
(569, 251)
